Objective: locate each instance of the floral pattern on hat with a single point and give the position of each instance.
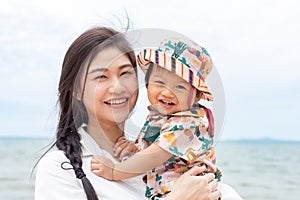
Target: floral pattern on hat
(186, 59)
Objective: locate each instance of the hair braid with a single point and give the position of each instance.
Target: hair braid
(68, 140)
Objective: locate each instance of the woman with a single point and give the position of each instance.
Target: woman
(97, 92)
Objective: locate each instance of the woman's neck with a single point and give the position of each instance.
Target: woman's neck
(105, 135)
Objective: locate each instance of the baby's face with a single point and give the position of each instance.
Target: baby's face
(169, 93)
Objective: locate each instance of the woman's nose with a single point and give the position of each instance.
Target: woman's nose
(116, 87)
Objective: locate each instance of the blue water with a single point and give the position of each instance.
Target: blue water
(17, 158)
(261, 170)
(257, 170)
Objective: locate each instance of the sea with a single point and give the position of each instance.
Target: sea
(256, 169)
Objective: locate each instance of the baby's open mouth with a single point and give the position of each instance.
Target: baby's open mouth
(166, 102)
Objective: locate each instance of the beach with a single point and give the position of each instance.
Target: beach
(257, 169)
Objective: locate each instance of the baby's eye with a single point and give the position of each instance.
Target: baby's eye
(159, 82)
(181, 87)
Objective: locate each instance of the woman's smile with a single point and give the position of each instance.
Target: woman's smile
(116, 103)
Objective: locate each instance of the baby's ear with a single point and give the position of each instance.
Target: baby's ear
(199, 94)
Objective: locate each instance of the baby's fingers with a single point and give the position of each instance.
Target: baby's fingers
(94, 161)
(120, 141)
(95, 166)
(118, 149)
(97, 172)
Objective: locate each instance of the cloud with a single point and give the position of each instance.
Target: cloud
(254, 45)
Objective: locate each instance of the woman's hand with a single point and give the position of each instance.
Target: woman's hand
(190, 186)
(124, 148)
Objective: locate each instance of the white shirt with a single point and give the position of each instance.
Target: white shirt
(55, 183)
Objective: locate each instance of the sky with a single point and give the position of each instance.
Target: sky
(255, 46)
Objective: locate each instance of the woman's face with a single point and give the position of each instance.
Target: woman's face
(111, 88)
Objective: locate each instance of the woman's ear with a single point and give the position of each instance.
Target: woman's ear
(77, 95)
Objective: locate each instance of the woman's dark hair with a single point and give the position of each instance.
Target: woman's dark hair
(72, 111)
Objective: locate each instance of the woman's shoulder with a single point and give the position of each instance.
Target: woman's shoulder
(53, 174)
(52, 160)
(53, 156)
(54, 167)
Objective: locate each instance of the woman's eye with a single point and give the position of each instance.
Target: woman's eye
(126, 73)
(101, 77)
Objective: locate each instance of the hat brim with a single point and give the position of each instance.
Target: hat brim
(174, 65)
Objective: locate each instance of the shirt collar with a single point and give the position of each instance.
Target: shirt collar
(90, 146)
(195, 111)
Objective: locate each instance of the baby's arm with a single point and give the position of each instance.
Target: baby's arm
(138, 164)
(102, 166)
(124, 148)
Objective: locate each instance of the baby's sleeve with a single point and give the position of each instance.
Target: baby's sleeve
(181, 136)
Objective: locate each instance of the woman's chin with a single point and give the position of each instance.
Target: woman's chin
(119, 116)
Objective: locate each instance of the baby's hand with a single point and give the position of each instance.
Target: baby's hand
(102, 166)
(124, 148)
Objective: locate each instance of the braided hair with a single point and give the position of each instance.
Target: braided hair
(72, 111)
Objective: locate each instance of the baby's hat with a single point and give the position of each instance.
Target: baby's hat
(186, 59)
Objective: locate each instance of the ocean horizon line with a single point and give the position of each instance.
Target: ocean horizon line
(262, 139)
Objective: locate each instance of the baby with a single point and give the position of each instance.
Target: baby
(178, 132)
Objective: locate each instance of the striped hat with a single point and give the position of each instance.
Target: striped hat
(186, 59)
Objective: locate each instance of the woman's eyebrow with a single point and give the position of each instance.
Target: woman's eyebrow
(97, 70)
(103, 69)
(156, 76)
(125, 65)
